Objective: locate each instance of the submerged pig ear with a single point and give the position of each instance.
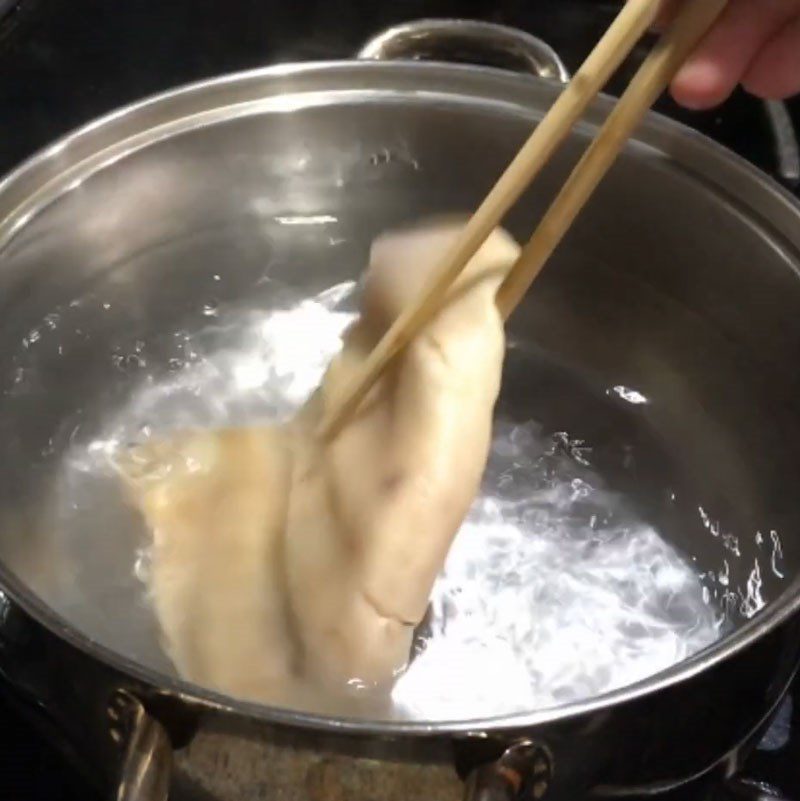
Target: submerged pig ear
(142, 462)
(176, 454)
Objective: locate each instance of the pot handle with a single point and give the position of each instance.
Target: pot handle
(469, 41)
(147, 761)
(524, 770)
(787, 142)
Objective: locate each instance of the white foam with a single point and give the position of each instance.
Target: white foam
(553, 592)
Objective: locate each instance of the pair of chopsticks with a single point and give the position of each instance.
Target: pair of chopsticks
(654, 76)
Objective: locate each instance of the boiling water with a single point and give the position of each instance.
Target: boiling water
(554, 590)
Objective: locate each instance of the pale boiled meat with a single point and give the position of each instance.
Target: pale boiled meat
(282, 563)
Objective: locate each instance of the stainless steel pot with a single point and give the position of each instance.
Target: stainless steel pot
(681, 280)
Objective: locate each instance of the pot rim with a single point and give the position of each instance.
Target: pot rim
(692, 149)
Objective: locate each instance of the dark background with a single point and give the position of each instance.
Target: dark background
(64, 62)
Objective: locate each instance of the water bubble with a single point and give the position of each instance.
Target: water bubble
(143, 564)
(128, 362)
(777, 555)
(380, 158)
(33, 336)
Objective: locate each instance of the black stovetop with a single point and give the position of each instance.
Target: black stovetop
(63, 62)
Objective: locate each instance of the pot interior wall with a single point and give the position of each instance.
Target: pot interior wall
(665, 287)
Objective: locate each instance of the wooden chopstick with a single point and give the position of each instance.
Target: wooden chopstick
(654, 76)
(626, 30)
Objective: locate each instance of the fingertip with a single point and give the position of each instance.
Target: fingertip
(701, 84)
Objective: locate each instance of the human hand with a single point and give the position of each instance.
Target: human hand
(755, 43)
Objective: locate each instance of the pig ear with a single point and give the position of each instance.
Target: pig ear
(181, 452)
